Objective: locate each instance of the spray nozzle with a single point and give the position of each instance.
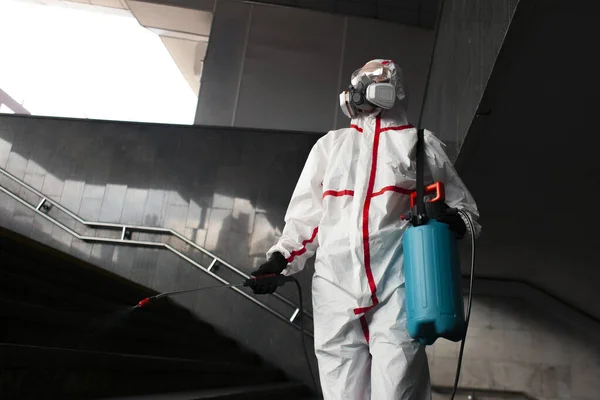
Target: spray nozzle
(145, 302)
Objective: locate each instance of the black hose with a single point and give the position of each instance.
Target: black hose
(312, 374)
(468, 316)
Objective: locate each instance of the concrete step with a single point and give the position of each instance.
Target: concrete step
(288, 391)
(45, 372)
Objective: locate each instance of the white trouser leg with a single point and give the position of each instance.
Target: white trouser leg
(399, 369)
(341, 347)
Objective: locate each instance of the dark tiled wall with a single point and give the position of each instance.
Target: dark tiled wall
(272, 54)
(225, 189)
(471, 35)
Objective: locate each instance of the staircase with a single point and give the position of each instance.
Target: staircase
(69, 331)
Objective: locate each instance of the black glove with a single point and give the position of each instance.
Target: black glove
(276, 264)
(453, 219)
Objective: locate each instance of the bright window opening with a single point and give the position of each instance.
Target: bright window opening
(66, 59)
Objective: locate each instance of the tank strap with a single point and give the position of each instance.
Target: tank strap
(420, 173)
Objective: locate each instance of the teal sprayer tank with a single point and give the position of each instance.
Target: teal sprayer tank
(434, 301)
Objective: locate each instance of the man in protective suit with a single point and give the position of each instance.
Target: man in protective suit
(347, 207)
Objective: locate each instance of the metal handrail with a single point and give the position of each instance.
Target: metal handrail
(123, 240)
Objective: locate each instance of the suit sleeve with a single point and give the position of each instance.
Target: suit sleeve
(457, 194)
(299, 239)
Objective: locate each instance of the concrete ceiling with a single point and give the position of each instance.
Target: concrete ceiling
(184, 32)
(420, 13)
(533, 162)
(122, 4)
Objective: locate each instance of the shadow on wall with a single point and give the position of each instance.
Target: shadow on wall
(225, 189)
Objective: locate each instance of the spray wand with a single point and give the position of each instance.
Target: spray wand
(277, 279)
(150, 299)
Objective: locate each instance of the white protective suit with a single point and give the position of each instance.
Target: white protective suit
(346, 207)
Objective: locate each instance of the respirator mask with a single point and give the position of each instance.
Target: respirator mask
(372, 88)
